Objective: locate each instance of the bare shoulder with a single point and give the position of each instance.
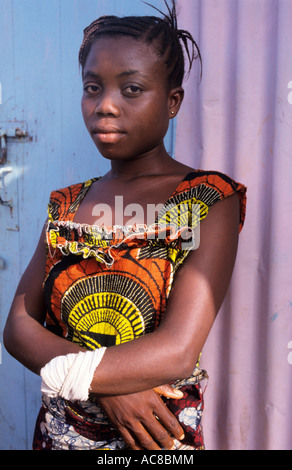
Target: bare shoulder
(228, 209)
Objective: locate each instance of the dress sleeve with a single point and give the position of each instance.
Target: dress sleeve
(64, 203)
(209, 187)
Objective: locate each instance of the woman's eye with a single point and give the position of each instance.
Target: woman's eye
(91, 89)
(133, 90)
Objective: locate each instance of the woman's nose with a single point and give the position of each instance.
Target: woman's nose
(108, 104)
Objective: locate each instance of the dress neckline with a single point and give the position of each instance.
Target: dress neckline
(93, 180)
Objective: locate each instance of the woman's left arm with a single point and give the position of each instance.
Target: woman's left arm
(200, 285)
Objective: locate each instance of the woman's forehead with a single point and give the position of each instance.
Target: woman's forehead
(122, 51)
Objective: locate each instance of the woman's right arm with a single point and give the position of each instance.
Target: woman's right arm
(25, 336)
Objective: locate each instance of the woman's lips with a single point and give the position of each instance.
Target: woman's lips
(108, 136)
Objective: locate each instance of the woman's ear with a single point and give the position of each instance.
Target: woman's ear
(176, 97)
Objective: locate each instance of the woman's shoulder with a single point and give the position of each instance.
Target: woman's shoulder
(211, 186)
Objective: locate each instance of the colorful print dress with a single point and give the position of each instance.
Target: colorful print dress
(106, 286)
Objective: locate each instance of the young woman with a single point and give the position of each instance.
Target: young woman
(111, 312)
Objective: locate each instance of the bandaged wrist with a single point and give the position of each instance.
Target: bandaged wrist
(70, 376)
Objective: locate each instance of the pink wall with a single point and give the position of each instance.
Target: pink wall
(239, 120)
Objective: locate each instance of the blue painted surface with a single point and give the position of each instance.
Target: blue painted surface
(41, 86)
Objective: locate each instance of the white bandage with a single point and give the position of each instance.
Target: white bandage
(70, 376)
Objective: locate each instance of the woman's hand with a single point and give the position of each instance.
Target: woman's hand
(143, 420)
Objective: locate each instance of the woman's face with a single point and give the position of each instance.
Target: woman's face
(126, 104)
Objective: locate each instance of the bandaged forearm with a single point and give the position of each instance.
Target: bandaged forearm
(70, 376)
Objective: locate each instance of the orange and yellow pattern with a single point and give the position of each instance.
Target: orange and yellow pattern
(103, 290)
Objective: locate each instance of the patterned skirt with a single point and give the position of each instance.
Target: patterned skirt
(64, 425)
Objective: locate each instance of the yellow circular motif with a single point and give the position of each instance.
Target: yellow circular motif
(185, 213)
(105, 319)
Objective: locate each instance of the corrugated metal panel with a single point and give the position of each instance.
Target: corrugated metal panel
(239, 121)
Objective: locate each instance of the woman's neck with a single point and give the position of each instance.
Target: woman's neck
(152, 163)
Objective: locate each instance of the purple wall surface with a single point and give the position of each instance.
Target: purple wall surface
(238, 120)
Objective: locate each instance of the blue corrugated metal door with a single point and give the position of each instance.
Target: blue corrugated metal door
(44, 145)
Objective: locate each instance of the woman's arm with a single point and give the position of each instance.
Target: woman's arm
(25, 337)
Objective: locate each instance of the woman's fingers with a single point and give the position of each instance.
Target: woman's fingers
(130, 439)
(168, 421)
(152, 436)
(168, 392)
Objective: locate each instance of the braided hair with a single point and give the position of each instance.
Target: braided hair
(164, 32)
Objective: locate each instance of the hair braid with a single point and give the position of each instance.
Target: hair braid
(163, 32)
